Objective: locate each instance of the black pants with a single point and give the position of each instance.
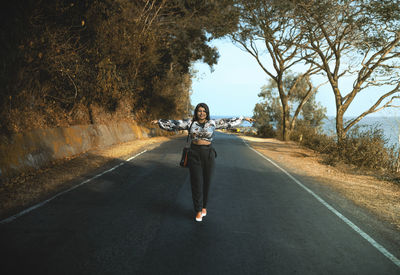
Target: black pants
(201, 167)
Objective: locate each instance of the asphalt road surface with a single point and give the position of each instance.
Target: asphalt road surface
(139, 219)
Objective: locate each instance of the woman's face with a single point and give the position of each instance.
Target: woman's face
(201, 114)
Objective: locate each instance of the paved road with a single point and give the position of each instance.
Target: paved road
(138, 219)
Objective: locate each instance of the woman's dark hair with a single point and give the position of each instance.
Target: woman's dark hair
(197, 108)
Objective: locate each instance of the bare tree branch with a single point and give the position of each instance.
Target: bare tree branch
(374, 108)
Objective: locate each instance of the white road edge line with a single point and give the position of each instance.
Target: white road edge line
(10, 219)
(375, 244)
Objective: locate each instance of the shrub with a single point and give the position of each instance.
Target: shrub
(266, 131)
(311, 138)
(367, 149)
(362, 148)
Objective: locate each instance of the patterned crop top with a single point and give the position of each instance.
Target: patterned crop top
(198, 130)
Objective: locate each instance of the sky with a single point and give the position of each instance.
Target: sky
(232, 88)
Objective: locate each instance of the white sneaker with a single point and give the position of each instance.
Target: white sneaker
(199, 219)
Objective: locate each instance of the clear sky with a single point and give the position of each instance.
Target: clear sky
(232, 89)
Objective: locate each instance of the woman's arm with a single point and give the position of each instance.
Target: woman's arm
(172, 125)
(225, 123)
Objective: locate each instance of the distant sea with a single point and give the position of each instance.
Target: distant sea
(389, 125)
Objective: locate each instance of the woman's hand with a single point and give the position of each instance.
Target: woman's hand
(249, 119)
(154, 121)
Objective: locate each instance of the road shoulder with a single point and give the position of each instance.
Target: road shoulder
(366, 200)
(25, 190)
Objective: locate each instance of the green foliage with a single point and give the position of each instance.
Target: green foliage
(269, 111)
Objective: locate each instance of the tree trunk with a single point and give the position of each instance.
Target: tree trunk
(285, 121)
(341, 134)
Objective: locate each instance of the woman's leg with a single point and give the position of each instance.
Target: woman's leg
(196, 179)
(208, 171)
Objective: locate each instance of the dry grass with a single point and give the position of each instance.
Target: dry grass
(29, 188)
(379, 196)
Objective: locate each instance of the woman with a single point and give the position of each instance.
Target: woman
(201, 155)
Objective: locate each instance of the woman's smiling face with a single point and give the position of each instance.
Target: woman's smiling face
(201, 114)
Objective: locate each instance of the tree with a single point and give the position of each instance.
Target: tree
(91, 61)
(269, 111)
(358, 39)
(271, 26)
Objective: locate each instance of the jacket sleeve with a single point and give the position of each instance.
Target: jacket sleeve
(174, 125)
(225, 123)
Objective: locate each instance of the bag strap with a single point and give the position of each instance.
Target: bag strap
(187, 139)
